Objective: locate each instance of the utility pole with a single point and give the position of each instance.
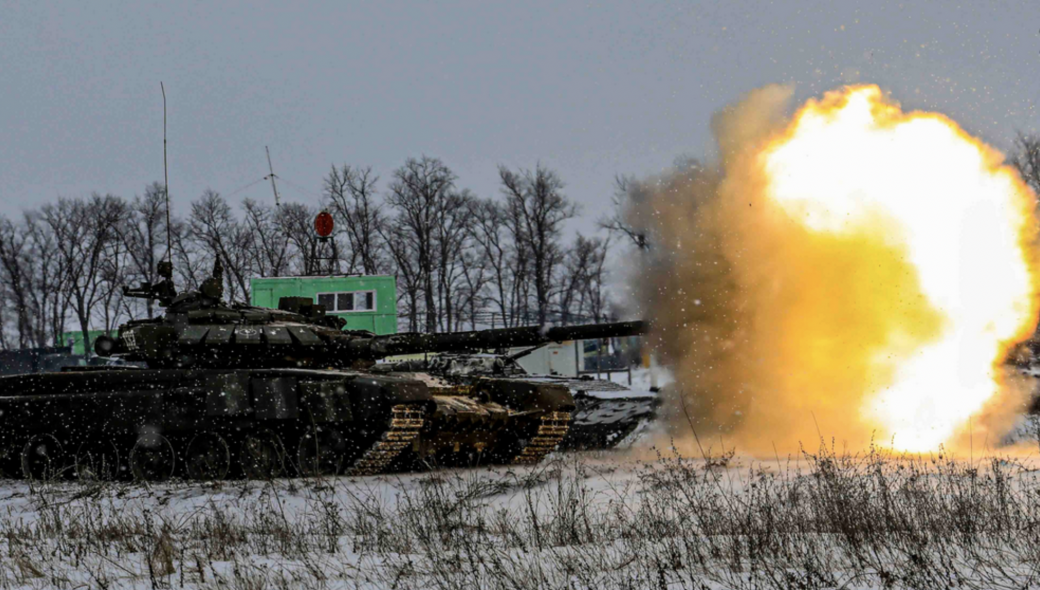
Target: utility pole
(274, 187)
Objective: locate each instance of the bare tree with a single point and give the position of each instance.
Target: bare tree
(595, 279)
(116, 268)
(144, 235)
(497, 234)
(583, 278)
(220, 234)
(1026, 160)
(49, 296)
(84, 233)
(192, 260)
(15, 261)
(418, 194)
(626, 190)
(265, 239)
(573, 279)
(5, 343)
(536, 198)
(410, 285)
(297, 222)
(472, 290)
(352, 195)
(456, 257)
(452, 241)
(488, 233)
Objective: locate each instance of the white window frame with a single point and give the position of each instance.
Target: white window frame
(335, 297)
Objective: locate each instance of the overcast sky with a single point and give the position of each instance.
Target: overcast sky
(592, 89)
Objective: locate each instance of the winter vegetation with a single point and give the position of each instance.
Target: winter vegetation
(824, 519)
(461, 261)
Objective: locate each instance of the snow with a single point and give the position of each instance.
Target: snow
(610, 520)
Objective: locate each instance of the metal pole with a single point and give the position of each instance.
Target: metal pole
(274, 187)
(166, 177)
(577, 360)
(599, 357)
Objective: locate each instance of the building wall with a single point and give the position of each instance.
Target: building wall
(382, 320)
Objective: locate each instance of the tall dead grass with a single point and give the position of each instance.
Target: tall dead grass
(825, 519)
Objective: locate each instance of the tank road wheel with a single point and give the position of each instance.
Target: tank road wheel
(42, 457)
(262, 455)
(208, 457)
(96, 462)
(321, 451)
(152, 458)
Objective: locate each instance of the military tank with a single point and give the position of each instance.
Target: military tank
(606, 413)
(211, 390)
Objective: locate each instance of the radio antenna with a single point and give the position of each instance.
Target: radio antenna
(166, 178)
(274, 187)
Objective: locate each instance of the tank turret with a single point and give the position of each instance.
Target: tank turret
(200, 330)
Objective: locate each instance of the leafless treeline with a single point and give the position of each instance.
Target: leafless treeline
(461, 260)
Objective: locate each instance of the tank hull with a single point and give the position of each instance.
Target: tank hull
(216, 423)
(606, 414)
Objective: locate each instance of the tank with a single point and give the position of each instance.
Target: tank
(607, 414)
(211, 390)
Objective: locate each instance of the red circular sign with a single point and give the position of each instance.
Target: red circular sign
(323, 224)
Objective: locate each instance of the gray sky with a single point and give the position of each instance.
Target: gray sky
(591, 89)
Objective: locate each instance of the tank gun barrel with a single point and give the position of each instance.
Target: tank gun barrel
(501, 338)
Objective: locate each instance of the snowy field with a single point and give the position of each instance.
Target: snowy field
(591, 520)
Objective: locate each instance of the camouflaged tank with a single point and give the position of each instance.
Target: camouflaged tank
(606, 414)
(212, 390)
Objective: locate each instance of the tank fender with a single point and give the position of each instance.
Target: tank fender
(523, 396)
(325, 401)
(275, 398)
(227, 394)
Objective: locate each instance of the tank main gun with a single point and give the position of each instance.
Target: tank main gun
(379, 347)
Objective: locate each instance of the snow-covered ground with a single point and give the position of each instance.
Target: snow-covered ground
(602, 520)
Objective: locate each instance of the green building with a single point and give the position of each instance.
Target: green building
(366, 302)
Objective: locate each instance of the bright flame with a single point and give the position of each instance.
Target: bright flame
(938, 233)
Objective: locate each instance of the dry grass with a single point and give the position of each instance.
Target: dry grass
(822, 520)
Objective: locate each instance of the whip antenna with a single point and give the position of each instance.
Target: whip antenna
(274, 187)
(166, 178)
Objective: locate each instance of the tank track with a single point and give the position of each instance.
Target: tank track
(405, 423)
(551, 430)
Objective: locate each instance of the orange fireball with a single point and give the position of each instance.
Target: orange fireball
(925, 236)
